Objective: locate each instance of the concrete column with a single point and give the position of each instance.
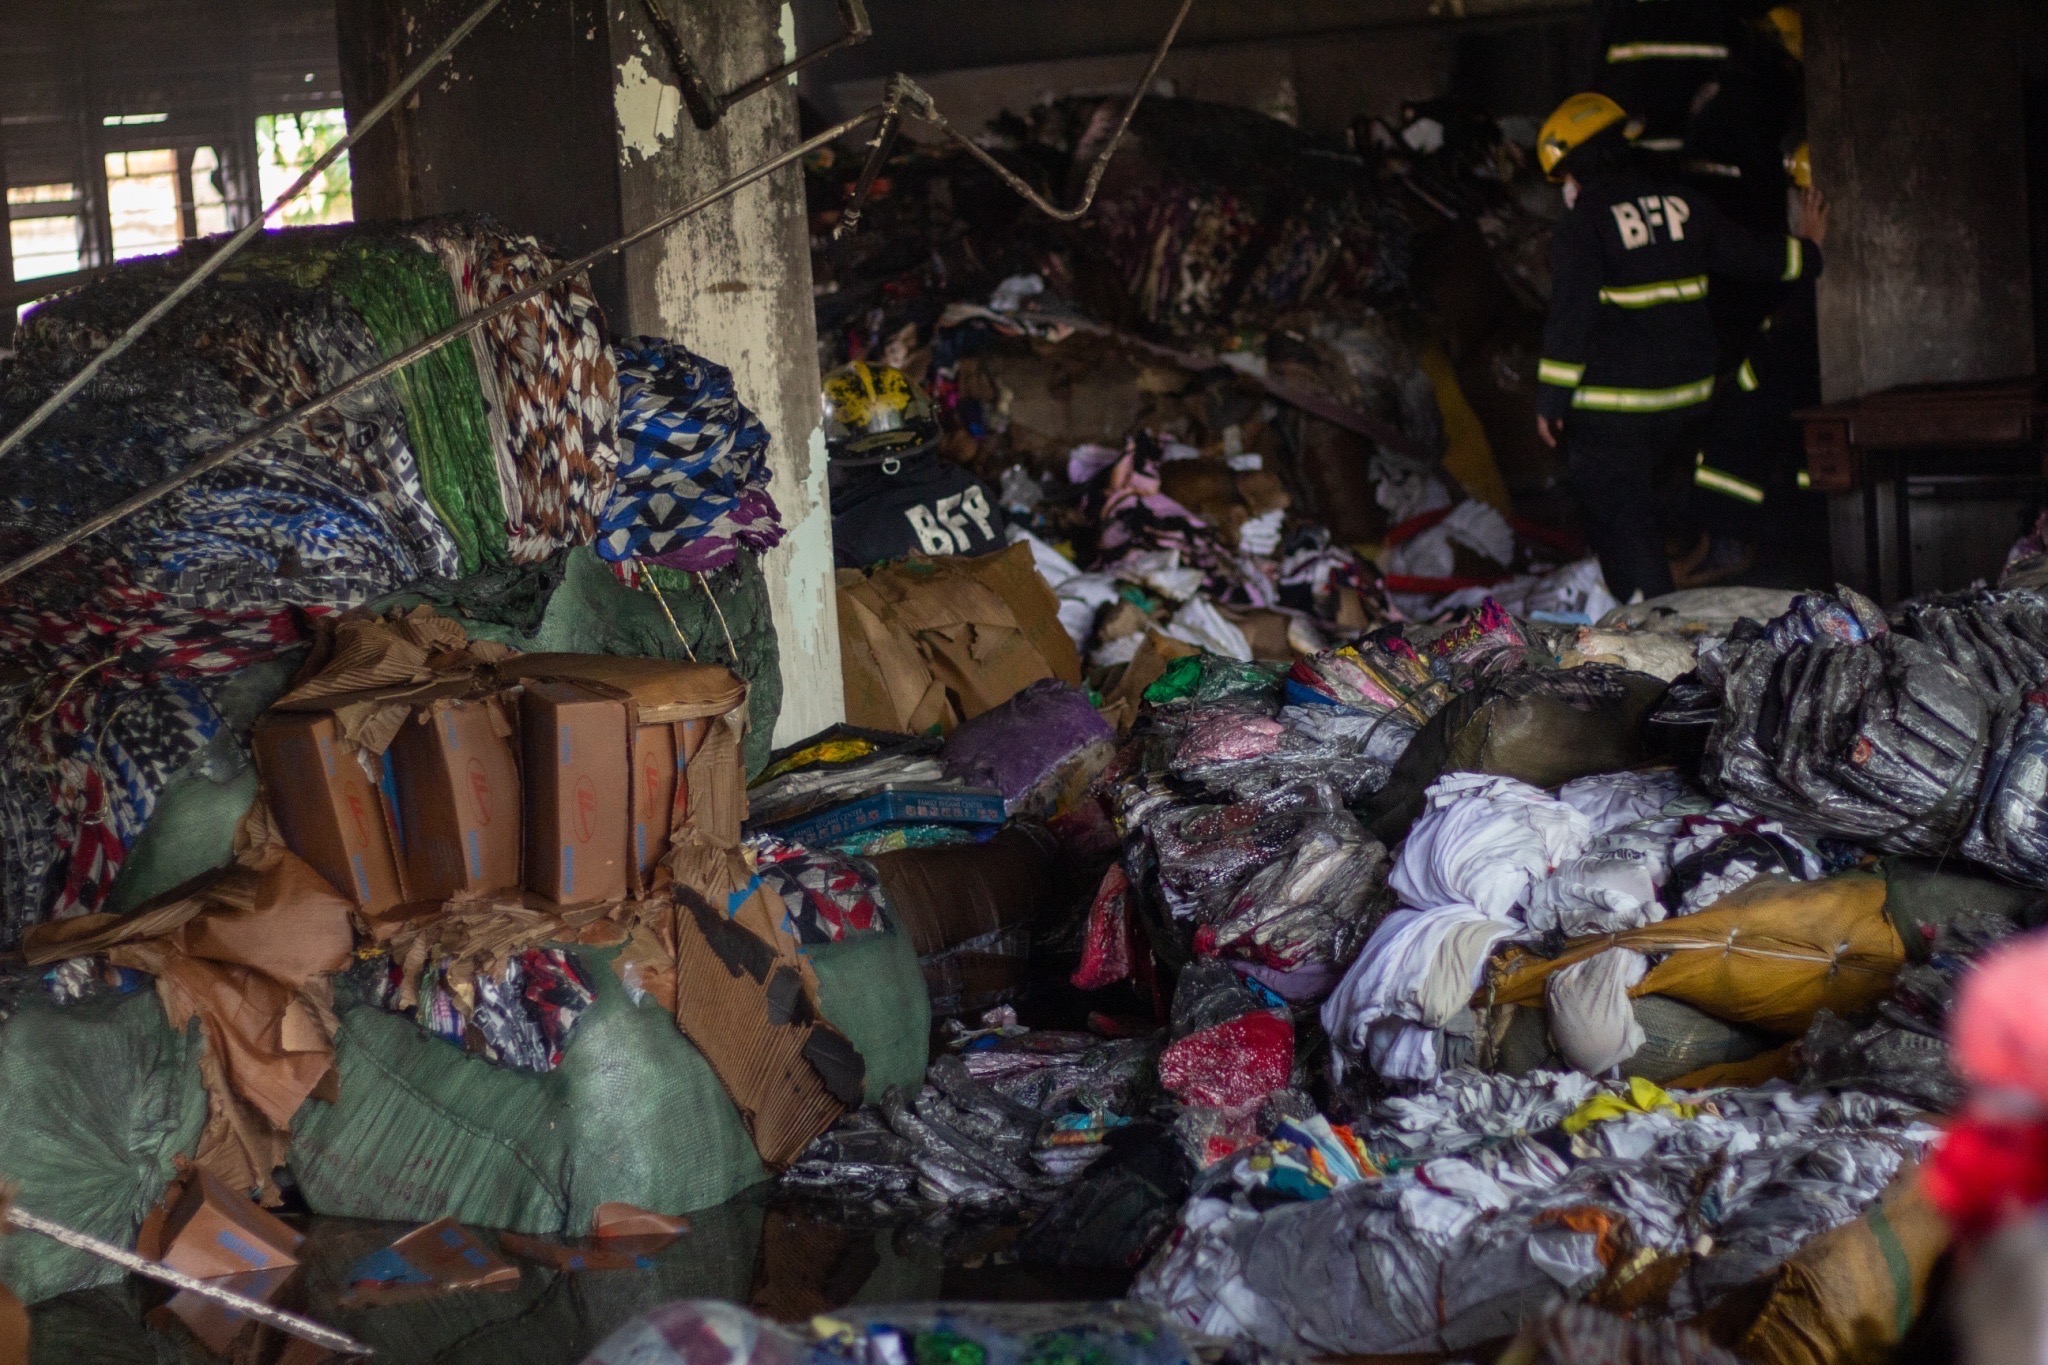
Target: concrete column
(1916, 114)
(734, 284)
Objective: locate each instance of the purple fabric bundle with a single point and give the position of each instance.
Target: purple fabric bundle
(1018, 745)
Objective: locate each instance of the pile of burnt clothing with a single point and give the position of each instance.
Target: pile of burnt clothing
(1470, 168)
(1225, 578)
(1210, 214)
(1454, 1215)
(1004, 1120)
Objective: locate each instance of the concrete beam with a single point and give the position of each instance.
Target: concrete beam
(939, 35)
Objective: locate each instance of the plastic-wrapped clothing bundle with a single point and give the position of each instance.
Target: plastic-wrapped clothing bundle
(1031, 747)
(1383, 739)
(1479, 1225)
(1051, 1072)
(1998, 638)
(1844, 616)
(1379, 677)
(1299, 915)
(1205, 853)
(844, 764)
(1209, 678)
(1883, 1057)
(1227, 736)
(1253, 757)
(2009, 830)
(968, 1145)
(1233, 1040)
(1543, 727)
(1483, 841)
(1881, 743)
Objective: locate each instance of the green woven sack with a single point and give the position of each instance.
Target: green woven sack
(634, 1113)
(97, 1100)
(423, 1130)
(873, 991)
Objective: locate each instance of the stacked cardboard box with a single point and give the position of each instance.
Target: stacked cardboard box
(561, 774)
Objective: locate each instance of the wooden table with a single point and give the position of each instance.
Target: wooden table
(1938, 439)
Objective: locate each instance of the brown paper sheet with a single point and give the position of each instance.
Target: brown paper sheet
(929, 642)
(246, 951)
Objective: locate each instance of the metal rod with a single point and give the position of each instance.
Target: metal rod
(707, 108)
(878, 153)
(852, 13)
(155, 1270)
(214, 459)
(213, 263)
(647, 577)
(922, 107)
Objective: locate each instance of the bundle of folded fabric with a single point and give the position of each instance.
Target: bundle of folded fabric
(499, 451)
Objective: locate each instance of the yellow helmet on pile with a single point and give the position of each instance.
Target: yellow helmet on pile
(1572, 125)
(876, 411)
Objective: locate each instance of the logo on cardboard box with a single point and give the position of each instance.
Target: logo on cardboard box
(355, 813)
(586, 809)
(480, 791)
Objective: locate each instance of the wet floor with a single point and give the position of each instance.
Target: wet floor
(785, 1260)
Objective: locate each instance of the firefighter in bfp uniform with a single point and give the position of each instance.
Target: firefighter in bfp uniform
(1629, 350)
(893, 494)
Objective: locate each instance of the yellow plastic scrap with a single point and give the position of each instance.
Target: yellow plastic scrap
(1643, 1097)
(827, 751)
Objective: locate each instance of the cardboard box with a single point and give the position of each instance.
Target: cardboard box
(616, 1220)
(670, 708)
(563, 1256)
(208, 1230)
(439, 1258)
(214, 1323)
(661, 796)
(748, 999)
(579, 792)
(661, 790)
(456, 773)
(662, 690)
(330, 812)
